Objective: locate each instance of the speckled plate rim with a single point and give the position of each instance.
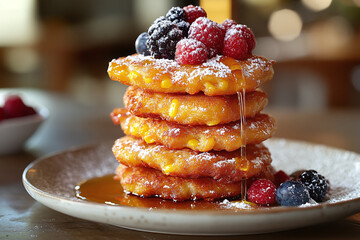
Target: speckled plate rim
(196, 222)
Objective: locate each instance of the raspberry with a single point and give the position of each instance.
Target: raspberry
(228, 23)
(315, 183)
(163, 37)
(292, 193)
(281, 177)
(194, 12)
(235, 44)
(2, 114)
(262, 192)
(177, 15)
(190, 51)
(14, 107)
(248, 35)
(30, 111)
(209, 33)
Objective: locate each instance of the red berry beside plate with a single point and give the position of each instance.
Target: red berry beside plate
(18, 122)
(14, 107)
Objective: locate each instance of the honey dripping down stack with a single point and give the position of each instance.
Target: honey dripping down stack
(192, 117)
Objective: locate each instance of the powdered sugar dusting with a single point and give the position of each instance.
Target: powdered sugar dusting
(217, 68)
(257, 64)
(212, 67)
(165, 65)
(235, 205)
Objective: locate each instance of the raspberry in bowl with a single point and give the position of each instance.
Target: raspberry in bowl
(18, 122)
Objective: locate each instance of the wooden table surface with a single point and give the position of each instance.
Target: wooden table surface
(74, 124)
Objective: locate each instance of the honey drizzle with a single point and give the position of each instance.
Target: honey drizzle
(242, 108)
(242, 112)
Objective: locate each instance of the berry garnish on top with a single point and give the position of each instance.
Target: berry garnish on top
(315, 183)
(160, 19)
(248, 35)
(229, 38)
(194, 12)
(140, 44)
(177, 15)
(184, 27)
(239, 42)
(163, 37)
(209, 33)
(228, 23)
(235, 45)
(190, 51)
(292, 193)
(262, 192)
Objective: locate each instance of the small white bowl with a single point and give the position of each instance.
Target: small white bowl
(14, 132)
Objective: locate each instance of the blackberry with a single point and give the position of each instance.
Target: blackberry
(163, 37)
(160, 19)
(184, 27)
(315, 183)
(177, 15)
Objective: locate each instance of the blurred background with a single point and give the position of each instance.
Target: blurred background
(65, 46)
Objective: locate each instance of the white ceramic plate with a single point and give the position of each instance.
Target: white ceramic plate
(51, 181)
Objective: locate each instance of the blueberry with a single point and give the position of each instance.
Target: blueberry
(315, 183)
(140, 44)
(292, 193)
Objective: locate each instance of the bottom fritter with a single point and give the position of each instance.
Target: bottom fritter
(148, 182)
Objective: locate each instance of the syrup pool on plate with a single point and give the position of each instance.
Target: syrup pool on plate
(107, 190)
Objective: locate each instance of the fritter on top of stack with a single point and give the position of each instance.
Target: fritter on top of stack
(185, 140)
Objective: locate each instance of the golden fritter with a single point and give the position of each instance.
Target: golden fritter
(221, 75)
(220, 165)
(200, 138)
(148, 182)
(196, 109)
